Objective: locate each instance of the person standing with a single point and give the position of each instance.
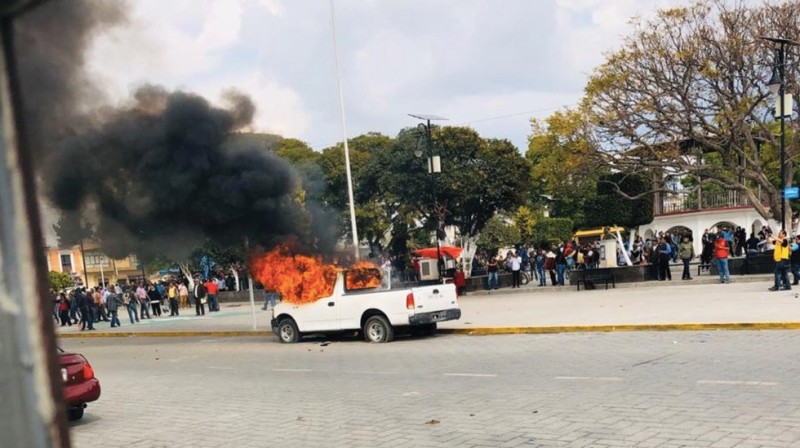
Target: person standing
(183, 294)
(781, 257)
(794, 259)
(561, 265)
(144, 301)
(129, 297)
(200, 293)
(538, 261)
(550, 266)
(113, 302)
(212, 288)
(515, 263)
(686, 254)
(155, 299)
(63, 310)
(85, 308)
(663, 252)
(99, 305)
(721, 254)
(492, 270)
(172, 296)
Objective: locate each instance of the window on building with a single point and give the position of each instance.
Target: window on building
(66, 263)
(96, 260)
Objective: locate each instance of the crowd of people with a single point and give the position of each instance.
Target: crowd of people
(144, 300)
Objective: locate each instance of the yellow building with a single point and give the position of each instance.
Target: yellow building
(98, 267)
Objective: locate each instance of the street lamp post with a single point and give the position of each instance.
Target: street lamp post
(434, 166)
(777, 85)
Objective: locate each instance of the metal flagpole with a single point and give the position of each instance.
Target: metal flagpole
(344, 134)
(250, 283)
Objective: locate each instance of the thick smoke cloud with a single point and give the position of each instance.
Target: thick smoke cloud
(160, 180)
(160, 175)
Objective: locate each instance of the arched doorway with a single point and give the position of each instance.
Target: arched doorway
(757, 225)
(648, 234)
(720, 226)
(681, 231)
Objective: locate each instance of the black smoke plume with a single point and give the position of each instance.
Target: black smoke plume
(160, 174)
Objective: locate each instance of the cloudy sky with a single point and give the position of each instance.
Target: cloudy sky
(489, 64)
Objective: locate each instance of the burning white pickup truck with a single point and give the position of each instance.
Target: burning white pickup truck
(370, 306)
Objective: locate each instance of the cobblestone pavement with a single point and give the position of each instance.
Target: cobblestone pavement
(666, 390)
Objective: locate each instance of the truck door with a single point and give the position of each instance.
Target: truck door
(321, 315)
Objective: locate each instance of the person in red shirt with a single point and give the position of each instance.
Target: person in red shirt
(460, 281)
(213, 290)
(721, 254)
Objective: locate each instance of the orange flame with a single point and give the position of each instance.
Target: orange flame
(306, 278)
(363, 275)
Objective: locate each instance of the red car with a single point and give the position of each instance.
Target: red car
(80, 384)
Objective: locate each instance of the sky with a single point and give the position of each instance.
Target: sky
(491, 65)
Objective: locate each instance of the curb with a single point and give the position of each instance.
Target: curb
(167, 334)
(731, 326)
(480, 331)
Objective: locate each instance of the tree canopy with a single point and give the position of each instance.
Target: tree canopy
(690, 82)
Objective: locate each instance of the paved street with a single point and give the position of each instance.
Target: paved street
(660, 389)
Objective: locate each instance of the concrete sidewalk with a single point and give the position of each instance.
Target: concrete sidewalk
(656, 306)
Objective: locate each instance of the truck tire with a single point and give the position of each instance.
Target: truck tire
(428, 329)
(424, 330)
(74, 414)
(287, 331)
(378, 330)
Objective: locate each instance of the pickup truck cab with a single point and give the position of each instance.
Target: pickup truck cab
(375, 309)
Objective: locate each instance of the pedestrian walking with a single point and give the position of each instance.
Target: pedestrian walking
(664, 252)
(538, 261)
(85, 308)
(113, 302)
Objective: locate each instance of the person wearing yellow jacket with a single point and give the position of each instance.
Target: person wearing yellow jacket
(781, 257)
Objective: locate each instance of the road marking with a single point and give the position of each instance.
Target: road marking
(738, 383)
(590, 378)
(208, 340)
(477, 375)
(220, 368)
(291, 370)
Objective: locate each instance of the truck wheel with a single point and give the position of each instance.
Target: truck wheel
(377, 329)
(75, 413)
(428, 329)
(288, 332)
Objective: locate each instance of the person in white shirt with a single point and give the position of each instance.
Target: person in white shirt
(515, 263)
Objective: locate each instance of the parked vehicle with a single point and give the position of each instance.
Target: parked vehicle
(80, 384)
(375, 310)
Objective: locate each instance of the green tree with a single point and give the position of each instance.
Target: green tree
(525, 220)
(498, 233)
(478, 178)
(59, 281)
(563, 166)
(553, 230)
